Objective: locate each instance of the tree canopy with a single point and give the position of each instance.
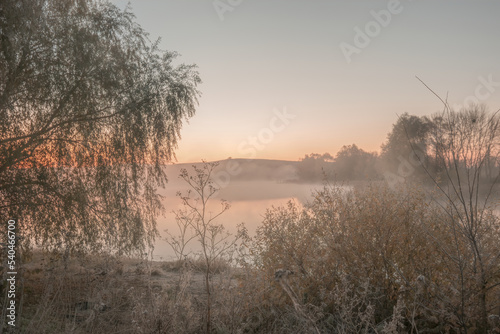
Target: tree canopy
(410, 132)
(89, 111)
(353, 163)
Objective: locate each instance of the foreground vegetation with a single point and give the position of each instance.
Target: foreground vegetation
(371, 260)
(393, 257)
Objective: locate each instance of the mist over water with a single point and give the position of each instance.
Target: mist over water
(249, 201)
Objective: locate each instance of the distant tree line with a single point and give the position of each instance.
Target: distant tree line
(416, 148)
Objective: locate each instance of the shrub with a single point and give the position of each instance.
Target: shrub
(376, 259)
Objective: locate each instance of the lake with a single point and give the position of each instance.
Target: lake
(249, 201)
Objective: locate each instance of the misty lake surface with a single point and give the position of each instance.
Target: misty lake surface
(249, 201)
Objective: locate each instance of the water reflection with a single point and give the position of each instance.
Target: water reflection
(249, 201)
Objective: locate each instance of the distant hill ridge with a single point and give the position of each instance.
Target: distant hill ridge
(248, 169)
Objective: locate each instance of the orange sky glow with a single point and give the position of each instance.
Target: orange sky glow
(344, 69)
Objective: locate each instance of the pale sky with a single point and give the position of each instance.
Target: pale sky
(267, 56)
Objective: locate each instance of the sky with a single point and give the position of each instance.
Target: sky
(282, 79)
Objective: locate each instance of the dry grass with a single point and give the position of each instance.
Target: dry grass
(106, 294)
(361, 264)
